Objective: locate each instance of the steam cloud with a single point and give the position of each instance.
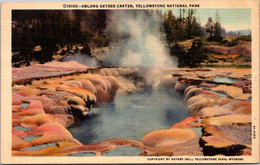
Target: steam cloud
(81, 58)
(137, 40)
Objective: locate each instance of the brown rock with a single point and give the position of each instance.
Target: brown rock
(125, 71)
(35, 107)
(79, 110)
(168, 137)
(16, 101)
(169, 81)
(26, 90)
(65, 119)
(77, 83)
(18, 143)
(46, 102)
(245, 85)
(86, 84)
(86, 95)
(33, 121)
(189, 88)
(187, 123)
(192, 92)
(76, 101)
(227, 119)
(49, 132)
(105, 72)
(180, 87)
(226, 140)
(214, 111)
(233, 92)
(243, 107)
(196, 103)
(16, 108)
(58, 110)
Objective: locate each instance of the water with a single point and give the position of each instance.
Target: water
(124, 151)
(82, 154)
(22, 128)
(30, 138)
(198, 129)
(25, 105)
(131, 117)
(220, 94)
(225, 80)
(33, 148)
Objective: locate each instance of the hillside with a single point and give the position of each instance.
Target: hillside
(234, 50)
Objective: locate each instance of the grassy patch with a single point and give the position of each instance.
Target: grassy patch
(224, 66)
(235, 40)
(211, 57)
(244, 38)
(185, 44)
(207, 43)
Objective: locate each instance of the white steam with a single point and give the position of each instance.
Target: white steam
(137, 40)
(81, 58)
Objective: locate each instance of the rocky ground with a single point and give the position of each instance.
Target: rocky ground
(236, 50)
(47, 101)
(222, 108)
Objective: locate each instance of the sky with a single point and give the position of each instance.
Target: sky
(230, 19)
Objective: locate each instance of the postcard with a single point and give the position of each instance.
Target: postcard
(130, 82)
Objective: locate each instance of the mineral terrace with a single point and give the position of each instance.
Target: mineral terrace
(47, 99)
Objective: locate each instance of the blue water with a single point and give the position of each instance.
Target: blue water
(220, 94)
(25, 105)
(225, 80)
(198, 129)
(33, 148)
(30, 138)
(22, 128)
(82, 154)
(131, 117)
(124, 151)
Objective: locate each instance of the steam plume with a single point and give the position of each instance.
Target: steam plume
(137, 40)
(81, 58)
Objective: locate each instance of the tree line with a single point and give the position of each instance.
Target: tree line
(183, 27)
(55, 28)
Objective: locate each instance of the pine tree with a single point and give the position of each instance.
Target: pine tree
(210, 27)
